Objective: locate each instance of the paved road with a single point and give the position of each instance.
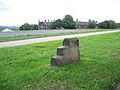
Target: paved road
(45, 39)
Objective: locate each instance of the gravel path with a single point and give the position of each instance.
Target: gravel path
(45, 39)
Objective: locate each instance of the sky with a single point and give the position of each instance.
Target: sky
(18, 12)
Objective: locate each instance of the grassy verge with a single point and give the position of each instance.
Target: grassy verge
(117, 28)
(22, 37)
(27, 67)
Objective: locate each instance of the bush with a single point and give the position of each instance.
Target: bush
(92, 24)
(68, 22)
(56, 24)
(107, 24)
(27, 26)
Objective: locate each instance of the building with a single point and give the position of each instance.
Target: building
(46, 25)
(6, 30)
(118, 25)
(81, 25)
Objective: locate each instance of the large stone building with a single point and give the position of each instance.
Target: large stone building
(118, 25)
(81, 25)
(46, 25)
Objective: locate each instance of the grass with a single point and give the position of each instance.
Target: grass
(117, 28)
(23, 37)
(27, 67)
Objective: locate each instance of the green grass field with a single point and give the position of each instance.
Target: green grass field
(27, 67)
(23, 37)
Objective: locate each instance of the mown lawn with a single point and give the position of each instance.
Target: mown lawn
(28, 67)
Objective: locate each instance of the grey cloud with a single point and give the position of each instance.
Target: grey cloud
(3, 7)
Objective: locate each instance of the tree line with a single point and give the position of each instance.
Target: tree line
(68, 23)
(107, 24)
(28, 26)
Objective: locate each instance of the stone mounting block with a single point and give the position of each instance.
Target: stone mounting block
(68, 53)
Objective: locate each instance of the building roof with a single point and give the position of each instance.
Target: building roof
(77, 23)
(47, 23)
(81, 23)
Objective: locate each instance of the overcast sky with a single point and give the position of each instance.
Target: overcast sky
(18, 12)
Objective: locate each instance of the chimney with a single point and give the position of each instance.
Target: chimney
(89, 20)
(51, 20)
(38, 20)
(76, 20)
(44, 20)
(48, 20)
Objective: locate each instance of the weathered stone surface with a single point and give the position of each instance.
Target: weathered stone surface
(68, 53)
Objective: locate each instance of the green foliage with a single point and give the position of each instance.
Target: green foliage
(103, 25)
(107, 24)
(56, 24)
(27, 26)
(112, 24)
(68, 22)
(53, 25)
(28, 67)
(34, 27)
(92, 25)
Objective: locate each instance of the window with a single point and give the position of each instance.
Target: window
(41, 26)
(46, 26)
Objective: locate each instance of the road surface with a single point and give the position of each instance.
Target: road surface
(45, 39)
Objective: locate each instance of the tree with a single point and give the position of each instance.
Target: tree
(103, 25)
(25, 26)
(56, 24)
(21, 28)
(92, 24)
(68, 22)
(53, 25)
(112, 24)
(34, 27)
(107, 24)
